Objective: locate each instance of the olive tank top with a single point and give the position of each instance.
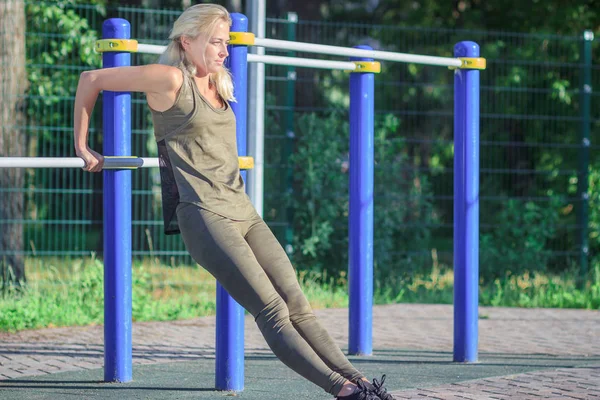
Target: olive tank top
(198, 157)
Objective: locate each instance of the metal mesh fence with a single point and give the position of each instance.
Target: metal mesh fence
(531, 133)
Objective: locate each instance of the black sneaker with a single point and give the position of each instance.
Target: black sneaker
(377, 388)
(361, 393)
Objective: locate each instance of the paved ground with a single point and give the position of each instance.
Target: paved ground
(524, 354)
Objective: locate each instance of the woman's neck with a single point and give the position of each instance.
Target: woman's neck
(203, 83)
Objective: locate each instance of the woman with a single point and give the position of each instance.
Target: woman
(188, 93)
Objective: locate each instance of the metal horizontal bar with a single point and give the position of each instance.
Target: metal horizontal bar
(46, 253)
(50, 222)
(151, 48)
(275, 60)
(35, 190)
(328, 50)
(349, 52)
(161, 253)
(110, 162)
(302, 62)
(75, 162)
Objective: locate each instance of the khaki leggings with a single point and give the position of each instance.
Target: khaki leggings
(248, 261)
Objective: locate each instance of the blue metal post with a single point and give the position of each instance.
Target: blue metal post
(466, 206)
(360, 274)
(230, 315)
(117, 217)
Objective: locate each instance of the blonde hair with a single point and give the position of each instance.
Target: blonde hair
(194, 21)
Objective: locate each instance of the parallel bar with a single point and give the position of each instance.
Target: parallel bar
(347, 52)
(301, 62)
(466, 207)
(360, 245)
(76, 162)
(275, 60)
(229, 349)
(151, 49)
(117, 218)
(328, 50)
(109, 162)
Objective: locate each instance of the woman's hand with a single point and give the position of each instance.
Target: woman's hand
(93, 161)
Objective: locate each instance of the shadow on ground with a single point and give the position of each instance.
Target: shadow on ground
(267, 378)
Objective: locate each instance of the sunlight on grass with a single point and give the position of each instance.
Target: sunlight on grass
(61, 292)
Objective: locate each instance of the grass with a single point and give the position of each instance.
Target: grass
(69, 293)
(527, 290)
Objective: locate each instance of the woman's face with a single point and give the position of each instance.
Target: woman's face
(208, 54)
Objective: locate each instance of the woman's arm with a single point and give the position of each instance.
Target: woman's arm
(159, 82)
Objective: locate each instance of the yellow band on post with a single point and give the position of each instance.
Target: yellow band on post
(367, 66)
(114, 45)
(246, 162)
(120, 158)
(471, 63)
(246, 38)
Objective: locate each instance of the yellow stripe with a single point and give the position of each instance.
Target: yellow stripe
(471, 63)
(246, 162)
(121, 157)
(114, 45)
(246, 38)
(367, 66)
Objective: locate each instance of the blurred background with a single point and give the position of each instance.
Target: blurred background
(540, 168)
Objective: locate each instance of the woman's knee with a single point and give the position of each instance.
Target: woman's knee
(300, 317)
(274, 315)
(300, 309)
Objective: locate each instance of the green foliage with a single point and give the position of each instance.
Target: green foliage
(60, 45)
(592, 205)
(510, 15)
(320, 198)
(55, 302)
(402, 204)
(557, 291)
(404, 211)
(594, 209)
(55, 60)
(71, 294)
(530, 107)
(75, 297)
(518, 241)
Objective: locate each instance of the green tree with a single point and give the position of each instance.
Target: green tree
(61, 49)
(13, 84)
(529, 104)
(402, 206)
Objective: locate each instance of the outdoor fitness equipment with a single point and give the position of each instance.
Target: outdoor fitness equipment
(117, 47)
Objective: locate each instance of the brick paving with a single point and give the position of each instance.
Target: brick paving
(562, 383)
(509, 332)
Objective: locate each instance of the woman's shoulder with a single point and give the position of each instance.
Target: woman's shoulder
(175, 75)
(171, 80)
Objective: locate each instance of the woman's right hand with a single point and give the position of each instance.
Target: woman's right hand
(93, 161)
